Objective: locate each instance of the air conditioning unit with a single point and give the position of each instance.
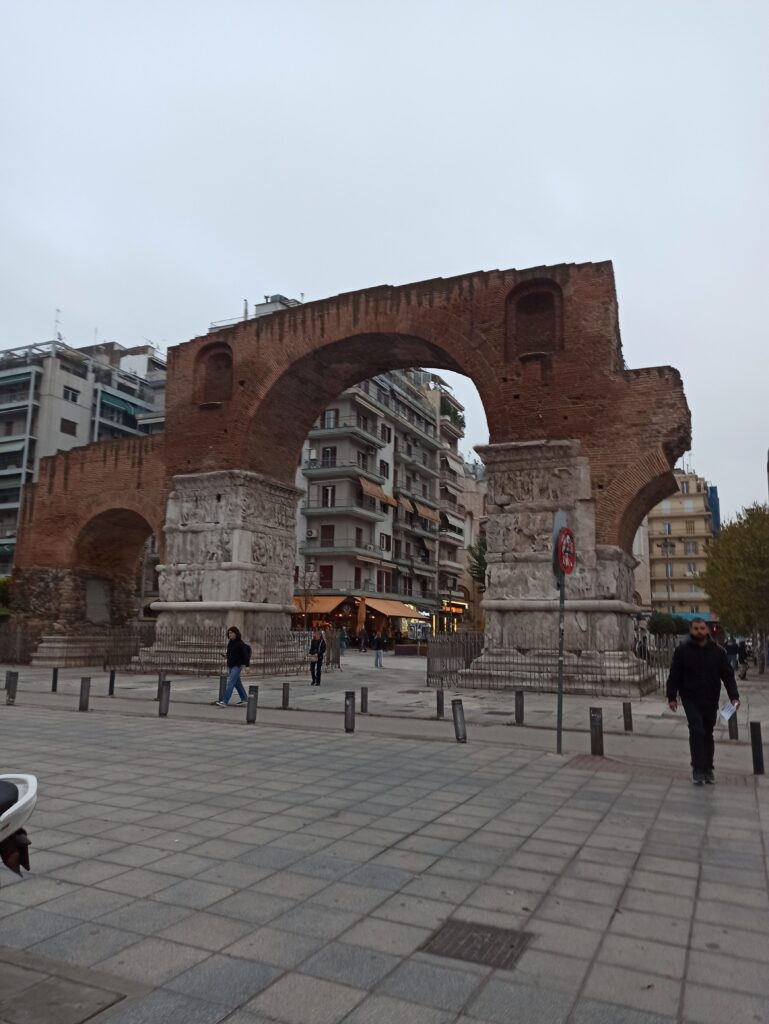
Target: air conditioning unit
(313, 453)
(370, 547)
(311, 533)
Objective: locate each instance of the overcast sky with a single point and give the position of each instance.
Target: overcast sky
(165, 160)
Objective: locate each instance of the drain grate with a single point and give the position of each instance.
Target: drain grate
(478, 943)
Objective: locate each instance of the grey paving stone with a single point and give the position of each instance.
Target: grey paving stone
(355, 898)
(57, 1001)
(32, 891)
(426, 983)
(144, 916)
(504, 1002)
(234, 874)
(15, 980)
(379, 1009)
(379, 877)
(640, 990)
(192, 892)
(206, 931)
(298, 998)
(644, 955)
(291, 885)
(135, 882)
(164, 1007)
(387, 936)
(255, 907)
(152, 961)
(704, 1005)
(132, 856)
(414, 910)
(588, 1011)
(84, 944)
(732, 941)
(350, 965)
(273, 946)
(87, 903)
(86, 872)
(320, 922)
(658, 903)
(505, 901)
(453, 867)
(184, 865)
(321, 865)
(747, 976)
(674, 930)
(547, 970)
(225, 980)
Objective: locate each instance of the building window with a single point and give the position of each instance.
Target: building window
(215, 375)
(385, 433)
(362, 422)
(384, 582)
(407, 586)
(328, 496)
(385, 541)
(691, 568)
(695, 607)
(362, 461)
(690, 526)
(396, 549)
(669, 570)
(684, 487)
(690, 547)
(358, 537)
(384, 469)
(358, 577)
(327, 536)
(71, 395)
(68, 427)
(330, 419)
(8, 427)
(328, 456)
(325, 577)
(667, 528)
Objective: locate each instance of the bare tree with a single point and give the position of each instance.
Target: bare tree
(305, 589)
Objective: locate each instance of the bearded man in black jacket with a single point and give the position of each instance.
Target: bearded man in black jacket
(698, 668)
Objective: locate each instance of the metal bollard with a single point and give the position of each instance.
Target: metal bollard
(85, 693)
(11, 685)
(165, 698)
(111, 687)
(54, 680)
(251, 708)
(519, 707)
(286, 696)
(757, 748)
(627, 714)
(222, 685)
(161, 680)
(439, 704)
(458, 714)
(596, 732)
(349, 711)
(364, 700)
(734, 729)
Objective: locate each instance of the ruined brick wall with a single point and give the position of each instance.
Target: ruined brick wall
(541, 345)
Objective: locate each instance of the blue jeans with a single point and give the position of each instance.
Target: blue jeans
(377, 659)
(234, 683)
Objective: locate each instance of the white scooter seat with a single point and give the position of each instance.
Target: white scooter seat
(18, 796)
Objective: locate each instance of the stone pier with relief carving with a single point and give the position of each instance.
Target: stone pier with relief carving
(230, 544)
(528, 483)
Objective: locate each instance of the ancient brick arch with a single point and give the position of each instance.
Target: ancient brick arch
(570, 427)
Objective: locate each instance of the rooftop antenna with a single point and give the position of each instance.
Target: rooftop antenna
(56, 331)
(245, 309)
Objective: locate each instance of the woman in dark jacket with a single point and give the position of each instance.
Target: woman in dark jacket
(237, 657)
(317, 653)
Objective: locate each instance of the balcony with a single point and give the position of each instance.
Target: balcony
(446, 561)
(363, 508)
(328, 469)
(16, 399)
(397, 591)
(422, 528)
(348, 428)
(452, 480)
(451, 427)
(343, 544)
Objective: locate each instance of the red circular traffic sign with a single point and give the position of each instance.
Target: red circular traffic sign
(567, 551)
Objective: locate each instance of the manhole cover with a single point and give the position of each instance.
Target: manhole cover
(478, 943)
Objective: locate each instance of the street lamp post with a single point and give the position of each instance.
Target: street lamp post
(667, 548)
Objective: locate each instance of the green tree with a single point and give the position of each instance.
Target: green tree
(661, 624)
(476, 561)
(736, 577)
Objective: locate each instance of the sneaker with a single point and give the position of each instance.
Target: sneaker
(220, 704)
(710, 778)
(698, 778)
(239, 702)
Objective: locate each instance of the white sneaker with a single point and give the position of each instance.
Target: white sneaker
(221, 704)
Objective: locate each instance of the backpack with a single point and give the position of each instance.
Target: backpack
(246, 654)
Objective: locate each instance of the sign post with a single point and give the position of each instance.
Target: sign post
(564, 560)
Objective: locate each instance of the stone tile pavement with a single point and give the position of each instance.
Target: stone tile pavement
(288, 875)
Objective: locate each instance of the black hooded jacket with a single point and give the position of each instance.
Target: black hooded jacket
(696, 673)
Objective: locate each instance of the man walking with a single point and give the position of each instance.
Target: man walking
(378, 645)
(698, 668)
(317, 653)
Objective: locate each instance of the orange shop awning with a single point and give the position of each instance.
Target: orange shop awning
(317, 605)
(405, 503)
(375, 491)
(427, 513)
(397, 608)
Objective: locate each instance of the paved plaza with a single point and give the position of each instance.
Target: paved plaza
(196, 869)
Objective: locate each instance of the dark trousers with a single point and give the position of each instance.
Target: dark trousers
(315, 669)
(702, 720)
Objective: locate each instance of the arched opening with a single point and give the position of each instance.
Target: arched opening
(116, 556)
(213, 374)
(533, 321)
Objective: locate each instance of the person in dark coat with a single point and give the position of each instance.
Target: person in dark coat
(742, 659)
(237, 657)
(317, 654)
(698, 668)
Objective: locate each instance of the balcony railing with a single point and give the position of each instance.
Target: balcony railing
(348, 588)
(328, 429)
(343, 465)
(361, 505)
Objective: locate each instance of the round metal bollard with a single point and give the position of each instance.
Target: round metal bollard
(458, 714)
(85, 693)
(596, 732)
(439, 704)
(757, 748)
(364, 700)
(251, 707)
(111, 687)
(734, 729)
(165, 698)
(286, 696)
(222, 685)
(349, 711)
(519, 707)
(11, 685)
(627, 715)
(54, 680)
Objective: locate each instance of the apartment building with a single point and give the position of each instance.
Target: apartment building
(54, 398)
(680, 530)
(379, 530)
